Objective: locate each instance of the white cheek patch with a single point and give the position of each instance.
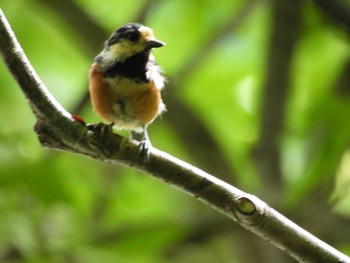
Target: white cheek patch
(123, 50)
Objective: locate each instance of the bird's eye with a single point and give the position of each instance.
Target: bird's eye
(128, 32)
(133, 36)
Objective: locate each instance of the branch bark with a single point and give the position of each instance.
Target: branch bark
(57, 129)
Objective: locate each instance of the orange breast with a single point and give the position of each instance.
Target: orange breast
(128, 104)
(101, 98)
(147, 104)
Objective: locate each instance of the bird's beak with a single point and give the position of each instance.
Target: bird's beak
(154, 43)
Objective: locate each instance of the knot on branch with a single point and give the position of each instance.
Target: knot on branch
(245, 206)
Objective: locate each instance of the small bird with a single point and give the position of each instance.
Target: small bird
(126, 82)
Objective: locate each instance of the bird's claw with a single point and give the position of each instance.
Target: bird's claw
(100, 127)
(144, 150)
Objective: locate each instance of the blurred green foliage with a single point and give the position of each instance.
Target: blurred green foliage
(59, 207)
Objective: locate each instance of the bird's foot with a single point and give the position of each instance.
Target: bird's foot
(144, 150)
(100, 128)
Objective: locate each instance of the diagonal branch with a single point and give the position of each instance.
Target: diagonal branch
(57, 129)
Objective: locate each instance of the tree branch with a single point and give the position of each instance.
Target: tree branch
(57, 129)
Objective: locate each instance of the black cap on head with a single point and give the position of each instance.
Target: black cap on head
(129, 31)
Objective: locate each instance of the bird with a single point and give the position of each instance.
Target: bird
(125, 82)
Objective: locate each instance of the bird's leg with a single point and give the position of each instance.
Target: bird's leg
(145, 138)
(144, 145)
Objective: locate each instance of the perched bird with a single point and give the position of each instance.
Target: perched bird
(126, 82)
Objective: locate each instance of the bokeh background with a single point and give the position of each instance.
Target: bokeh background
(258, 95)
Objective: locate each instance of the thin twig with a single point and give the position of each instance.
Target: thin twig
(245, 209)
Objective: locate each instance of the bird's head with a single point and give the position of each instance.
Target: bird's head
(130, 39)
